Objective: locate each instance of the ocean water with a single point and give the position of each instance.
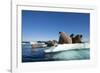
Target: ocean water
(38, 54)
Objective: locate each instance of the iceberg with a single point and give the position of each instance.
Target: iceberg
(62, 47)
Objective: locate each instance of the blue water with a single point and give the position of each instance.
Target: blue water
(38, 54)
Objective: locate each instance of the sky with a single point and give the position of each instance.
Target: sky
(46, 25)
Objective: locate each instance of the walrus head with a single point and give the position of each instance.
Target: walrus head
(59, 32)
(72, 35)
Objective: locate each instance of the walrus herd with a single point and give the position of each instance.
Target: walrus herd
(63, 39)
(66, 39)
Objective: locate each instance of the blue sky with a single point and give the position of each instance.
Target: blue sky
(45, 25)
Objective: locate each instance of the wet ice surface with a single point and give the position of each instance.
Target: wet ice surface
(38, 54)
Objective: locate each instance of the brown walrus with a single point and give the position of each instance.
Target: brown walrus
(77, 38)
(51, 43)
(64, 39)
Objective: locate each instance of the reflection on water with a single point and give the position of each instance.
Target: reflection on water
(38, 54)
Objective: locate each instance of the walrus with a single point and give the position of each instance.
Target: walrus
(77, 38)
(50, 43)
(64, 39)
